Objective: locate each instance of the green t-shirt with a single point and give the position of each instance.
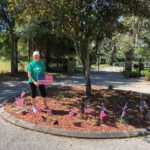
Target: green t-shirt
(36, 68)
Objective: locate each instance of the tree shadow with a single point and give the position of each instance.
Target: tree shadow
(147, 138)
(59, 112)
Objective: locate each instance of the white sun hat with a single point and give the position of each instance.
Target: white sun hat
(36, 53)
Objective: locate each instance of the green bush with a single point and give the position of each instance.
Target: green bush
(110, 87)
(135, 74)
(147, 75)
(78, 70)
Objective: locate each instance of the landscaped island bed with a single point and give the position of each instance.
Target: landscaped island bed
(63, 100)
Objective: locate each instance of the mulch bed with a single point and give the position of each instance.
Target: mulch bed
(61, 99)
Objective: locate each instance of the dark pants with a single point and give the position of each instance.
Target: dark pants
(34, 90)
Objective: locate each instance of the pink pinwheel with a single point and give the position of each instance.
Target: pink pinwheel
(87, 110)
(71, 112)
(49, 112)
(102, 113)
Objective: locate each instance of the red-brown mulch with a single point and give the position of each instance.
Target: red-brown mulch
(60, 99)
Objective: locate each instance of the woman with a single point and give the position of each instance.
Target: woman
(36, 67)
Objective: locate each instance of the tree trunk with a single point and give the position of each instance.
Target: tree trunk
(28, 49)
(71, 65)
(128, 63)
(57, 62)
(113, 55)
(47, 53)
(14, 54)
(86, 69)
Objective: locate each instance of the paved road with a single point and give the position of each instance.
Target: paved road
(15, 138)
(104, 78)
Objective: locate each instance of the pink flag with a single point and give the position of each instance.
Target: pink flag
(124, 110)
(102, 113)
(22, 94)
(19, 101)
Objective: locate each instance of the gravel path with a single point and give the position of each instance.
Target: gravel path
(15, 138)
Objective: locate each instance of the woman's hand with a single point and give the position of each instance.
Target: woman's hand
(29, 75)
(35, 83)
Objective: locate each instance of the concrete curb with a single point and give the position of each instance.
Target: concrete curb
(74, 134)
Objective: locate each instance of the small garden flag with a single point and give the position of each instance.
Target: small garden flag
(38, 107)
(19, 101)
(102, 113)
(71, 112)
(104, 108)
(143, 105)
(87, 109)
(44, 79)
(49, 112)
(124, 110)
(22, 94)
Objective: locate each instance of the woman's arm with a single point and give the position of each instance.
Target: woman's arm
(29, 75)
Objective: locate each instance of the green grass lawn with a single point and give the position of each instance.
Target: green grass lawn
(4, 67)
(101, 66)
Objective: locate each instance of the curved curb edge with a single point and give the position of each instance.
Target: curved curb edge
(74, 134)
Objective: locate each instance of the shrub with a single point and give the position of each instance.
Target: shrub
(147, 75)
(110, 87)
(135, 74)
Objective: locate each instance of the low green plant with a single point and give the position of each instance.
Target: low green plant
(78, 70)
(135, 74)
(110, 87)
(147, 75)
